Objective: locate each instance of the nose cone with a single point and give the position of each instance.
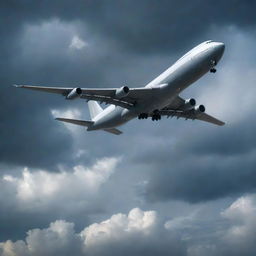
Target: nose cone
(220, 47)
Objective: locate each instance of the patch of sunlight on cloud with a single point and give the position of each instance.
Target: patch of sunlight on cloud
(77, 43)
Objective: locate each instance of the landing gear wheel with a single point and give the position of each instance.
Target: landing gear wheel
(213, 64)
(143, 116)
(156, 117)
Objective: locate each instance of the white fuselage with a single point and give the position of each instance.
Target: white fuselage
(167, 86)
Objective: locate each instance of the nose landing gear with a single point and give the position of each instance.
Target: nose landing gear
(213, 64)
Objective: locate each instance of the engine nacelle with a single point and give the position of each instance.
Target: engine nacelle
(189, 104)
(75, 93)
(199, 109)
(122, 92)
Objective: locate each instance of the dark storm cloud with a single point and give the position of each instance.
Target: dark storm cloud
(203, 179)
(126, 42)
(140, 26)
(204, 165)
(144, 27)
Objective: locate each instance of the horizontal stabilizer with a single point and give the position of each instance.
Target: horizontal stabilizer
(77, 122)
(113, 131)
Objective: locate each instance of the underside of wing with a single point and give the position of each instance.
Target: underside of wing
(113, 131)
(59, 90)
(182, 108)
(176, 103)
(123, 97)
(193, 115)
(210, 119)
(186, 109)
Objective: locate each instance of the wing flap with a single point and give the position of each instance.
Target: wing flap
(108, 100)
(191, 115)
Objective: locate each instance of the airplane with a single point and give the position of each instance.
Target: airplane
(158, 98)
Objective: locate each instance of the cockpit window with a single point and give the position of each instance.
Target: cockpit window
(209, 41)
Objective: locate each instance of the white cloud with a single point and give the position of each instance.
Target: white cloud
(135, 232)
(237, 234)
(143, 232)
(40, 188)
(242, 216)
(77, 43)
(119, 226)
(68, 113)
(59, 238)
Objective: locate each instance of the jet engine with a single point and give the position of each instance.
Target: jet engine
(189, 104)
(199, 109)
(122, 92)
(75, 93)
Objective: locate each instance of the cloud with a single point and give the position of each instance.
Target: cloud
(39, 196)
(77, 43)
(119, 226)
(72, 113)
(40, 188)
(235, 234)
(135, 233)
(240, 237)
(201, 232)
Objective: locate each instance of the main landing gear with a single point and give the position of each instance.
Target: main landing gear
(156, 116)
(143, 116)
(213, 64)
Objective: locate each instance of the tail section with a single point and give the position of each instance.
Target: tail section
(94, 108)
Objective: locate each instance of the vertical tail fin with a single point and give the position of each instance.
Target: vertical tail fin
(94, 108)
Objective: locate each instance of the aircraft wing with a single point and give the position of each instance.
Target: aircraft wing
(107, 95)
(174, 109)
(191, 114)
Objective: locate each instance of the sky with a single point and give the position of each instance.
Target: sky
(171, 187)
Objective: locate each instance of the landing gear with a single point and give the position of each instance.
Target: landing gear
(143, 116)
(156, 116)
(213, 64)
